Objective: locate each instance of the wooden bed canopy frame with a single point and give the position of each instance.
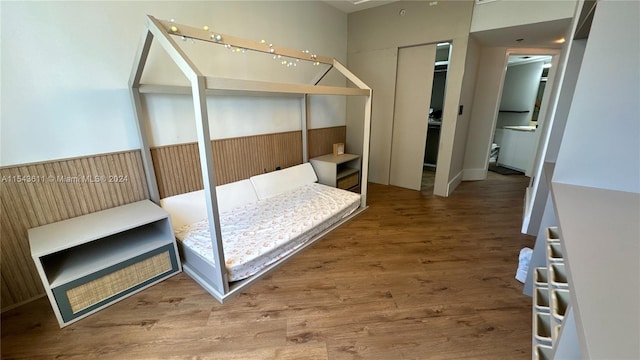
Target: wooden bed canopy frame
(201, 86)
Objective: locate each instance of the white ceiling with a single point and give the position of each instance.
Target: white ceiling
(349, 6)
(533, 35)
(541, 35)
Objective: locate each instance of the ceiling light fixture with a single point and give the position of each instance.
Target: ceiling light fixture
(560, 41)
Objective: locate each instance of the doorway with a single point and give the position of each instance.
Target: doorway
(515, 137)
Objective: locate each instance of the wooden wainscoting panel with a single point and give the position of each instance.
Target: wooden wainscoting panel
(42, 193)
(240, 158)
(321, 140)
(177, 169)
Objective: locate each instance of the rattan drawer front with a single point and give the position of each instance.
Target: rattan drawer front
(92, 291)
(349, 181)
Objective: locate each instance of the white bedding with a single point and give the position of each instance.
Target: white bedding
(257, 234)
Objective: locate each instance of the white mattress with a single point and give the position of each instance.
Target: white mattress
(257, 234)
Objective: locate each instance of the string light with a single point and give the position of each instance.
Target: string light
(218, 38)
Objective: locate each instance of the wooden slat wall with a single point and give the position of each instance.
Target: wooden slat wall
(178, 171)
(240, 158)
(53, 196)
(321, 141)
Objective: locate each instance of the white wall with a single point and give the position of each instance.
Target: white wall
(66, 66)
(592, 154)
(596, 186)
(519, 93)
(468, 101)
(453, 130)
(505, 13)
(485, 105)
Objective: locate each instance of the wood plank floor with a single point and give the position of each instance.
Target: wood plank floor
(413, 277)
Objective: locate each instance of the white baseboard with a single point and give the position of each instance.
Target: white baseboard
(474, 174)
(453, 184)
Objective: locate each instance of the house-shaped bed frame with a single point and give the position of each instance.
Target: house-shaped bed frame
(201, 86)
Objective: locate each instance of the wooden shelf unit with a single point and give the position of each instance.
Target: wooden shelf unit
(341, 171)
(89, 262)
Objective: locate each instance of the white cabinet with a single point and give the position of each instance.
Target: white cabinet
(517, 148)
(341, 171)
(89, 262)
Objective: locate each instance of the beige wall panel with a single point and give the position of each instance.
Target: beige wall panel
(41, 193)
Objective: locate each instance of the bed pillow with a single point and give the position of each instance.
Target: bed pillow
(277, 182)
(190, 208)
(185, 209)
(235, 194)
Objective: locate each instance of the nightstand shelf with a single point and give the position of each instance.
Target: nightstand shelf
(341, 171)
(89, 262)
